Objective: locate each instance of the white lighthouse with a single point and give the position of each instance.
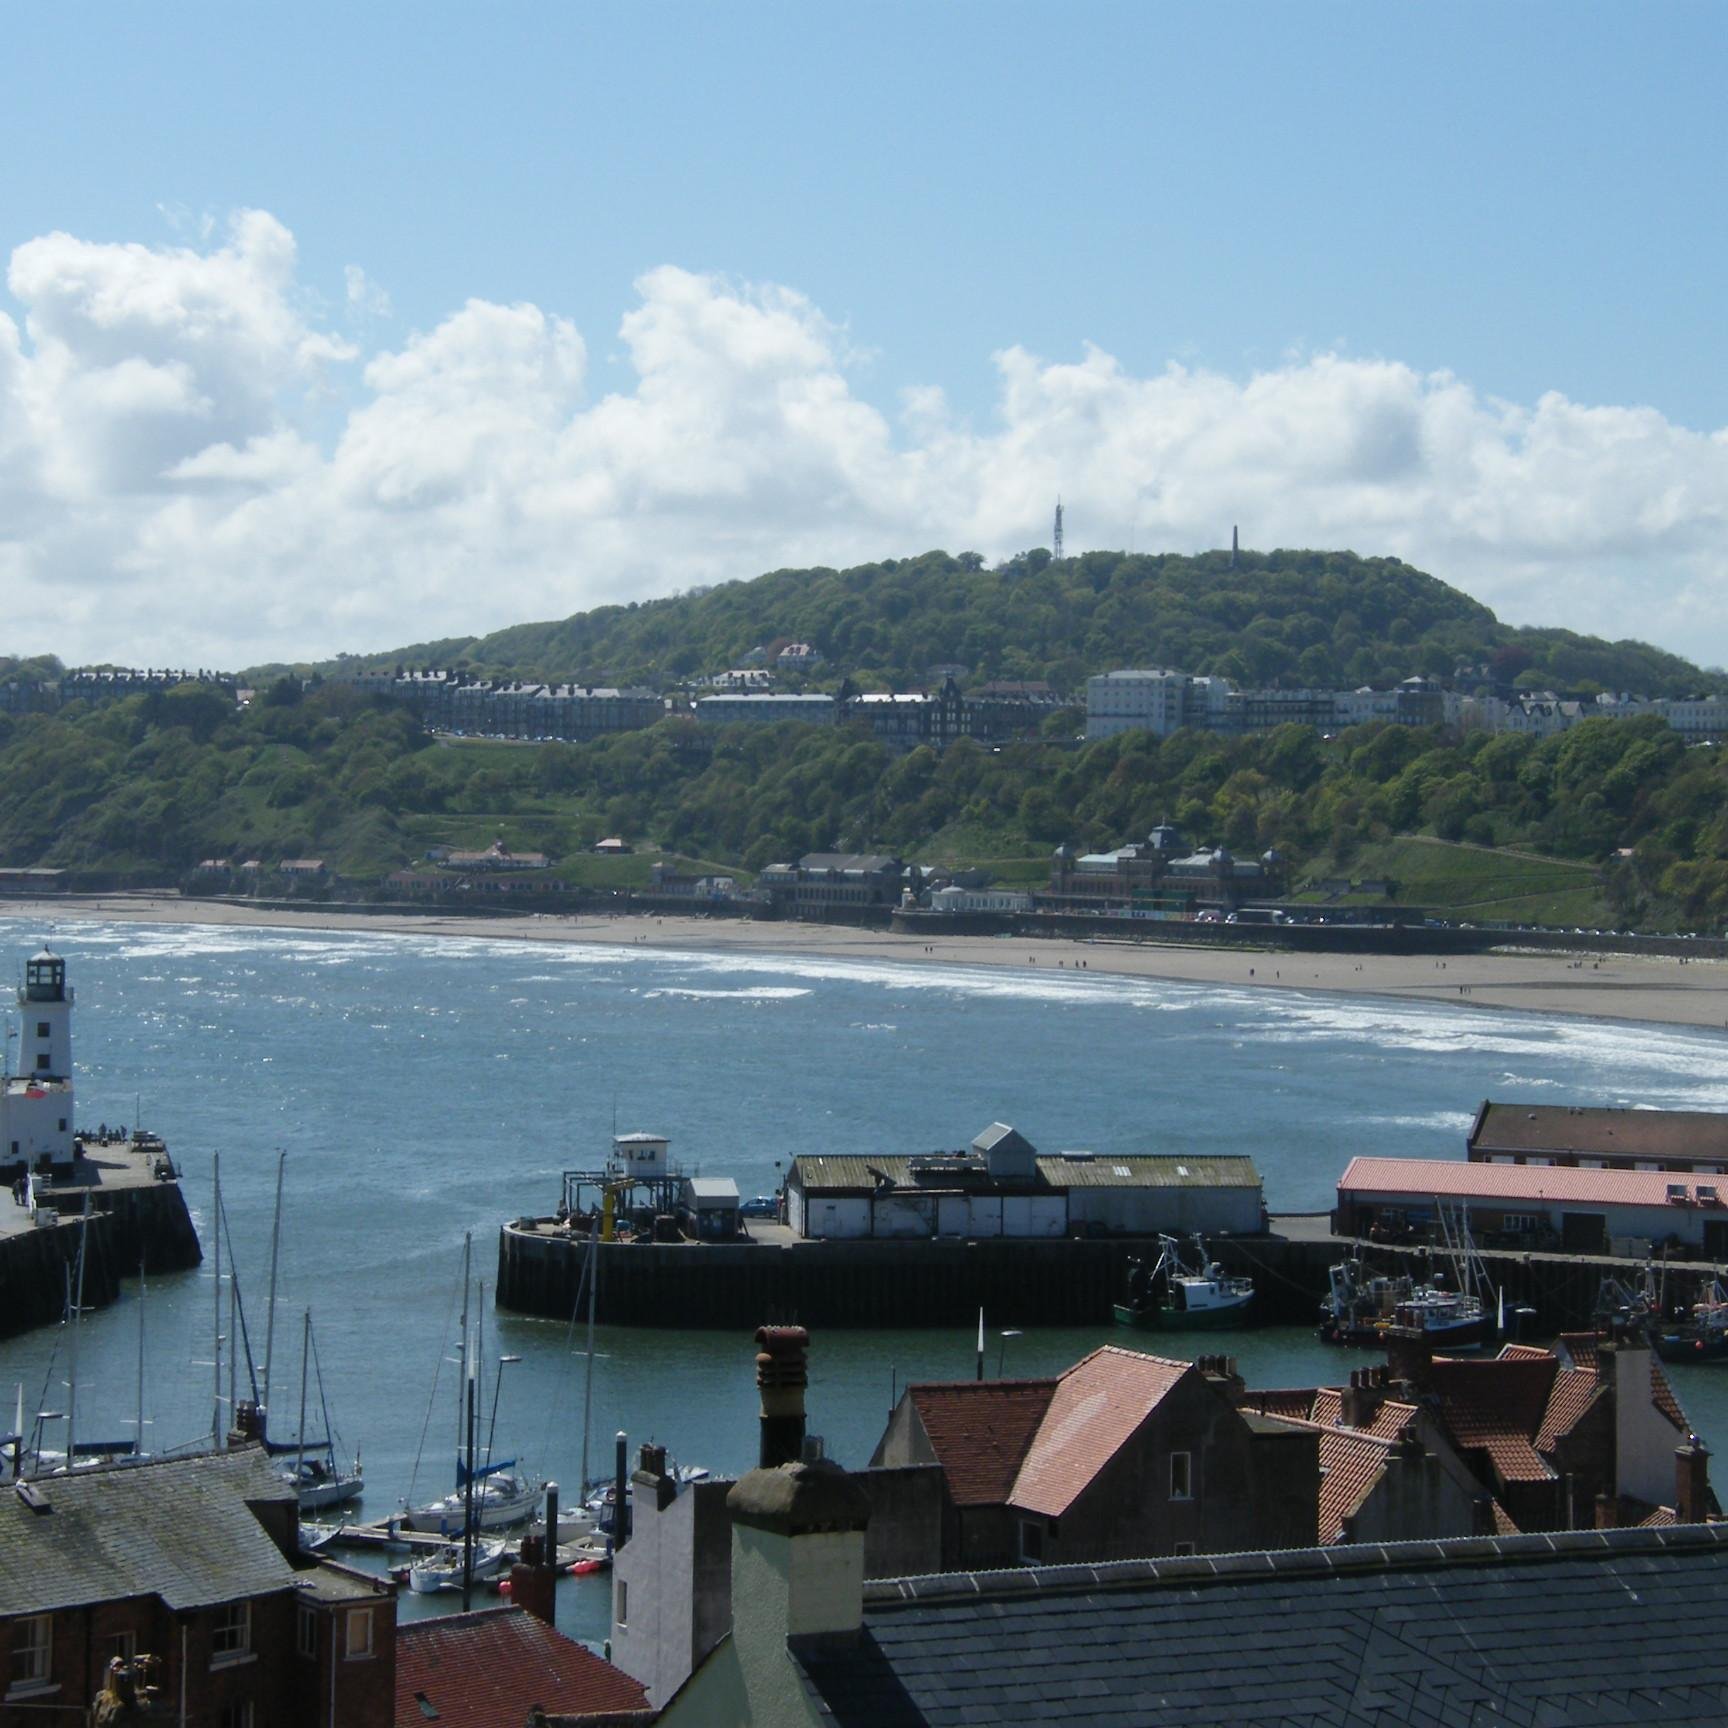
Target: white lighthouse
(36, 1097)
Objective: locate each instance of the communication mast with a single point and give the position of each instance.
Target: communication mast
(1056, 536)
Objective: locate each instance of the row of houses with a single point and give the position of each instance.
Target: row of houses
(1142, 1539)
(176, 1590)
(1162, 701)
(450, 700)
(103, 685)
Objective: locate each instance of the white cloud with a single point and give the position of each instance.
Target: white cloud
(171, 486)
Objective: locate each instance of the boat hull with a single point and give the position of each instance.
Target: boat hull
(1221, 1319)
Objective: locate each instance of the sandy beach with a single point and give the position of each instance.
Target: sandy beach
(1614, 986)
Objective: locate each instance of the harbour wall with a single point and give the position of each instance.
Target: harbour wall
(128, 1227)
(863, 1284)
(889, 1284)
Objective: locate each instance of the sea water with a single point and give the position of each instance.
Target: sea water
(424, 1089)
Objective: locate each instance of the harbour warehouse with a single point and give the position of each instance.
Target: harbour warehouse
(889, 1241)
(1002, 1186)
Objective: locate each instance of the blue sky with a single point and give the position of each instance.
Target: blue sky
(1454, 213)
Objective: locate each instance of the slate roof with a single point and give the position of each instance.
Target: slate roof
(1097, 1406)
(1591, 1629)
(1547, 1129)
(488, 1669)
(979, 1432)
(180, 1529)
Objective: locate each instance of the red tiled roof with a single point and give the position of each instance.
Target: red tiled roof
(1325, 1405)
(489, 1669)
(1580, 1347)
(979, 1431)
(1296, 1404)
(1497, 1407)
(1351, 1463)
(1572, 1393)
(1422, 1178)
(1098, 1405)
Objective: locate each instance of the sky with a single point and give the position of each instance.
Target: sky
(333, 329)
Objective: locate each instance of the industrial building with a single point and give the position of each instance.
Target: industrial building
(1002, 1186)
(1544, 1207)
(1584, 1137)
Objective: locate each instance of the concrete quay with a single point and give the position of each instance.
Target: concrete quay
(774, 1276)
(138, 1218)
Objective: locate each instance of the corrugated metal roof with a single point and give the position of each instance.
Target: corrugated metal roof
(1149, 1170)
(819, 1171)
(180, 1529)
(1538, 1182)
(718, 1189)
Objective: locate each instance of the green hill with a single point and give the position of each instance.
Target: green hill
(1319, 619)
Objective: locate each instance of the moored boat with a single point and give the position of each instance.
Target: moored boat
(1359, 1308)
(1173, 1296)
(445, 1567)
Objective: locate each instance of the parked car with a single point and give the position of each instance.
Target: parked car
(763, 1206)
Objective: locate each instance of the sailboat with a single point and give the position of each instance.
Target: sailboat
(315, 1474)
(489, 1494)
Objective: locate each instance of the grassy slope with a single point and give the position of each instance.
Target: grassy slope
(1476, 884)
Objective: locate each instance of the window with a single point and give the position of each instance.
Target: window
(1031, 1540)
(32, 1652)
(306, 1633)
(236, 1715)
(1184, 1549)
(1523, 1223)
(1181, 1476)
(357, 1635)
(231, 1633)
(123, 1645)
(623, 1601)
(42, 1060)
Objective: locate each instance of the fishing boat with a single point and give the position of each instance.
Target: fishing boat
(1455, 1314)
(1699, 1333)
(1359, 1308)
(1173, 1295)
(445, 1568)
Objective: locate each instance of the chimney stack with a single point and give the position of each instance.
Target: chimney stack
(1358, 1401)
(1692, 1482)
(1409, 1356)
(782, 1372)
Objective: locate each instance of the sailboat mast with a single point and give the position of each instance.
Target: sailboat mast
(138, 1446)
(300, 1432)
(462, 1355)
(588, 1381)
(77, 1317)
(216, 1429)
(270, 1310)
